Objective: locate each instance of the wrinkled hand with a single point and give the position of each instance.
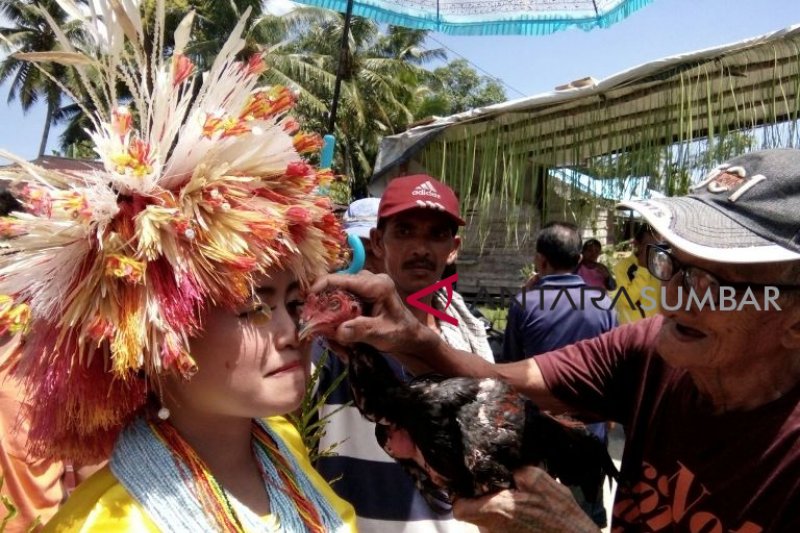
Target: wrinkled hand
(539, 503)
(390, 327)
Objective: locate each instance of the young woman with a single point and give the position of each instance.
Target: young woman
(247, 474)
(158, 295)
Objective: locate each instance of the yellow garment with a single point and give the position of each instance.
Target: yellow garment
(644, 291)
(101, 503)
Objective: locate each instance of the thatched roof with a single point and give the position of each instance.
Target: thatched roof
(654, 114)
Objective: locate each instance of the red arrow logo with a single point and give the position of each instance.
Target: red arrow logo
(413, 299)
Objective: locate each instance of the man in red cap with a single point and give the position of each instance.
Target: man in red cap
(418, 220)
(416, 238)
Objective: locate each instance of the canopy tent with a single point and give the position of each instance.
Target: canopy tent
(486, 17)
(665, 119)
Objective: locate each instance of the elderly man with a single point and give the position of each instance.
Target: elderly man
(414, 238)
(710, 398)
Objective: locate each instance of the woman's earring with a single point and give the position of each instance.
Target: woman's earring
(163, 413)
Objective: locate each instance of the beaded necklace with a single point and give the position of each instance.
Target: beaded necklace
(162, 471)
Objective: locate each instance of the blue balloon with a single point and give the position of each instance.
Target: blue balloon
(359, 255)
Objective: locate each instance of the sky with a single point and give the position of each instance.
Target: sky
(533, 65)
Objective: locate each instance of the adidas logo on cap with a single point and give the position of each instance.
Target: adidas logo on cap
(425, 189)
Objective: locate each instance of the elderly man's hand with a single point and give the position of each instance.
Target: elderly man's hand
(390, 326)
(539, 503)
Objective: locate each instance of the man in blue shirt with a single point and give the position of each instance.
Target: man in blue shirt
(558, 309)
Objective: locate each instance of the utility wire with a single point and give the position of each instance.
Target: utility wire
(440, 43)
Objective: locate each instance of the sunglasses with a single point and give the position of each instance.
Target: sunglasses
(664, 266)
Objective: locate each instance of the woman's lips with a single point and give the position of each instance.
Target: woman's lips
(294, 365)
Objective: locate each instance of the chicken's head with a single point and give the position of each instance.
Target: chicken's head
(324, 311)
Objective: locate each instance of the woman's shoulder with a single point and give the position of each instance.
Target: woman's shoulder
(288, 432)
(100, 503)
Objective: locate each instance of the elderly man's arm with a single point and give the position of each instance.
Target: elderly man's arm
(391, 328)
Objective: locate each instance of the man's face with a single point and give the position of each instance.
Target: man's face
(415, 247)
(706, 341)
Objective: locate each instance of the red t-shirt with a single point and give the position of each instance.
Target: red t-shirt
(684, 468)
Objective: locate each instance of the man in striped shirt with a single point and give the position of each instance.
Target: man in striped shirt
(416, 238)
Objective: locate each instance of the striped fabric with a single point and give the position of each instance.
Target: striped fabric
(482, 17)
(383, 495)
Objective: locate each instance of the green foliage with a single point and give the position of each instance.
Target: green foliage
(339, 192)
(668, 171)
(307, 420)
(459, 88)
(11, 512)
(81, 149)
(527, 272)
(497, 316)
(381, 85)
(8, 505)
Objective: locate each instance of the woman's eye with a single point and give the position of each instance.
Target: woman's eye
(295, 307)
(257, 310)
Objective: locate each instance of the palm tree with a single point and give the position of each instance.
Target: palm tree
(212, 25)
(380, 89)
(29, 32)
(409, 45)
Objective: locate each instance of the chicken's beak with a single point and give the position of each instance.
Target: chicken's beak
(306, 329)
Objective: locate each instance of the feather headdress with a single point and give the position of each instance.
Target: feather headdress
(201, 187)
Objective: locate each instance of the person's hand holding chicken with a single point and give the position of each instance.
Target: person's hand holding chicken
(457, 437)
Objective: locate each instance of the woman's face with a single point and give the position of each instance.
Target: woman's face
(249, 360)
(591, 253)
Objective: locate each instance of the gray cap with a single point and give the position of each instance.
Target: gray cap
(746, 210)
(361, 216)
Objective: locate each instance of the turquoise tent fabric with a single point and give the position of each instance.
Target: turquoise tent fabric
(490, 17)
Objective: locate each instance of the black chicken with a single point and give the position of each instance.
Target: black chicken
(457, 436)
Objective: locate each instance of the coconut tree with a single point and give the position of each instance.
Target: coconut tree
(212, 25)
(27, 31)
(381, 78)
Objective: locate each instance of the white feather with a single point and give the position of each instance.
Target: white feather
(183, 32)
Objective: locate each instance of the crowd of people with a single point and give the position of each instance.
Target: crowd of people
(149, 313)
(686, 385)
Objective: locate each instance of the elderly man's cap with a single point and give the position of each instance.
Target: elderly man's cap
(746, 210)
(361, 216)
(419, 191)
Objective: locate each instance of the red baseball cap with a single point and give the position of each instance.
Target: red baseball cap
(419, 191)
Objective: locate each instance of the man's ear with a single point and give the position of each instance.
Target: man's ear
(539, 262)
(453, 255)
(376, 241)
